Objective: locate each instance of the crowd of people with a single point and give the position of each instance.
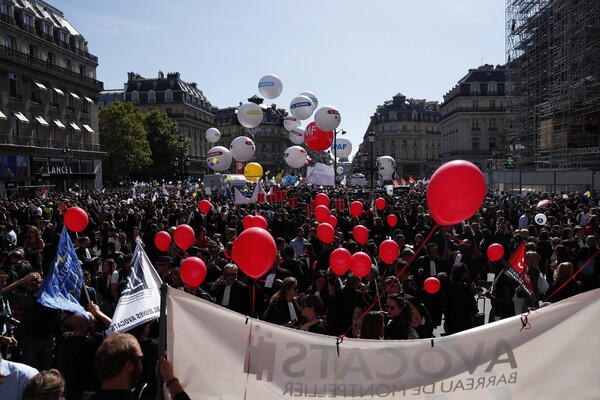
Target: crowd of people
(300, 291)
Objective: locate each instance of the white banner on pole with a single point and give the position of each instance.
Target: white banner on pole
(140, 299)
(219, 354)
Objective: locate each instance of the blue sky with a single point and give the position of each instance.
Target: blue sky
(352, 54)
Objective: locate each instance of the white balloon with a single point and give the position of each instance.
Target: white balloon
(242, 148)
(218, 158)
(270, 86)
(540, 219)
(250, 115)
(301, 107)
(386, 166)
(341, 147)
(290, 123)
(328, 118)
(312, 98)
(340, 170)
(295, 157)
(297, 135)
(213, 135)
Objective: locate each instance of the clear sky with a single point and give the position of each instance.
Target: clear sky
(353, 54)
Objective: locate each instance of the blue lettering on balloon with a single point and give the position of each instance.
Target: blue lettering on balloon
(301, 104)
(263, 84)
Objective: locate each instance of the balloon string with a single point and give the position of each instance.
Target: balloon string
(376, 301)
(253, 297)
(460, 241)
(573, 276)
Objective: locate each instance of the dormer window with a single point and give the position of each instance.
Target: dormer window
(135, 97)
(168, 96)
(151, 96)
(492, 88)
(475, 88)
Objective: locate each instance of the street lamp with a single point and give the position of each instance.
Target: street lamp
(175, 163)
(186, 167)
(67, 154)
(371, 136)
(129, 159)
(335, 132)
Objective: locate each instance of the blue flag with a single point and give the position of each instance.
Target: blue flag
(61, 287)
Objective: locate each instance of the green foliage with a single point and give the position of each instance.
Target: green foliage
(163, 138)
(122, 133)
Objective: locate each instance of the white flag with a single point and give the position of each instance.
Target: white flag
(220, 354)
(140, 300)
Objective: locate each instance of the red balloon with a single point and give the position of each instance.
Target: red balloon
(204, 206)
(432, 285)
(254, 251)
(76, 219)
(259, 221)
(340, 260)
(322, 200)
(193, 271)
(247, 221)
(455, 192)
(322, 213)
(392, 220)
(162, 240)
(316, 139)
(389, 251)
(332, 221)
(495, 252)
(361, 234)
(356, 208)
(360, 264)
(325, 232)
(184, 236)
(380, 203)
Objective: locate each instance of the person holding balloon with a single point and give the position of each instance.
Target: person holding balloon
(230, 293)
(283, 308)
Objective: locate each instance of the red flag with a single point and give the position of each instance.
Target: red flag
(411, 180)
(293, 202)
(260, 198)
(517, 264)
(340, 205)
(313, 205)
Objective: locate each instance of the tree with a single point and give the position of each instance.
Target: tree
(163, 138)
(122, 133)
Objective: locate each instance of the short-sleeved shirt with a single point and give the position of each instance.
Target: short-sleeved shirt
(16, 376)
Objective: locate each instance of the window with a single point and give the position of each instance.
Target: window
(5, 9)
(51, 58)
(492, 105)
(27, 19)
(169, 111)
(135, 97)
(67, 64)
(82, 70)
(493, 126)
(47, 29)
(151, 96)
(475, 143)
(475, 105)
(492, 88)
(13, 88)
(168, 96)
(11, 42)
(51, 99)
(474, 88)
(68, 103)
(393, 116)
(63, 36)
(475, 124)
(492, 145)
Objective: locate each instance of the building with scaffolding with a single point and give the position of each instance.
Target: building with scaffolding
(553, 74)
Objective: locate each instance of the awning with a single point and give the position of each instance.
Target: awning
(57, 90)
(40, 85)
(41, 120)
(21, 117)
(88, 128)
(89, 100)
(75, 127)
(58, 123)
(2, 116)
(75, 96)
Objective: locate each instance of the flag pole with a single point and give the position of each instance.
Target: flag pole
(162, 338)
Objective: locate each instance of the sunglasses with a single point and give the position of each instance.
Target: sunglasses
(231, 274)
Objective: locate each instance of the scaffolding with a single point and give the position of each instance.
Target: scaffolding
(553, 83)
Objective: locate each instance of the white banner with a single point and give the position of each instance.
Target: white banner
(140, 299)
(219, 354)
(321, 174)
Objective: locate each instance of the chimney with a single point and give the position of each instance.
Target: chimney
(161, 75)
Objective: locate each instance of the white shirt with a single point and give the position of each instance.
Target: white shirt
(432, 268)
(293, 316)
(226, 294)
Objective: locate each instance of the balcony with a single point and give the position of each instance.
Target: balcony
(24, 58)
(48, 144)
(470, 110)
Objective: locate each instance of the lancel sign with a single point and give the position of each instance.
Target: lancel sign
(60, 169)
